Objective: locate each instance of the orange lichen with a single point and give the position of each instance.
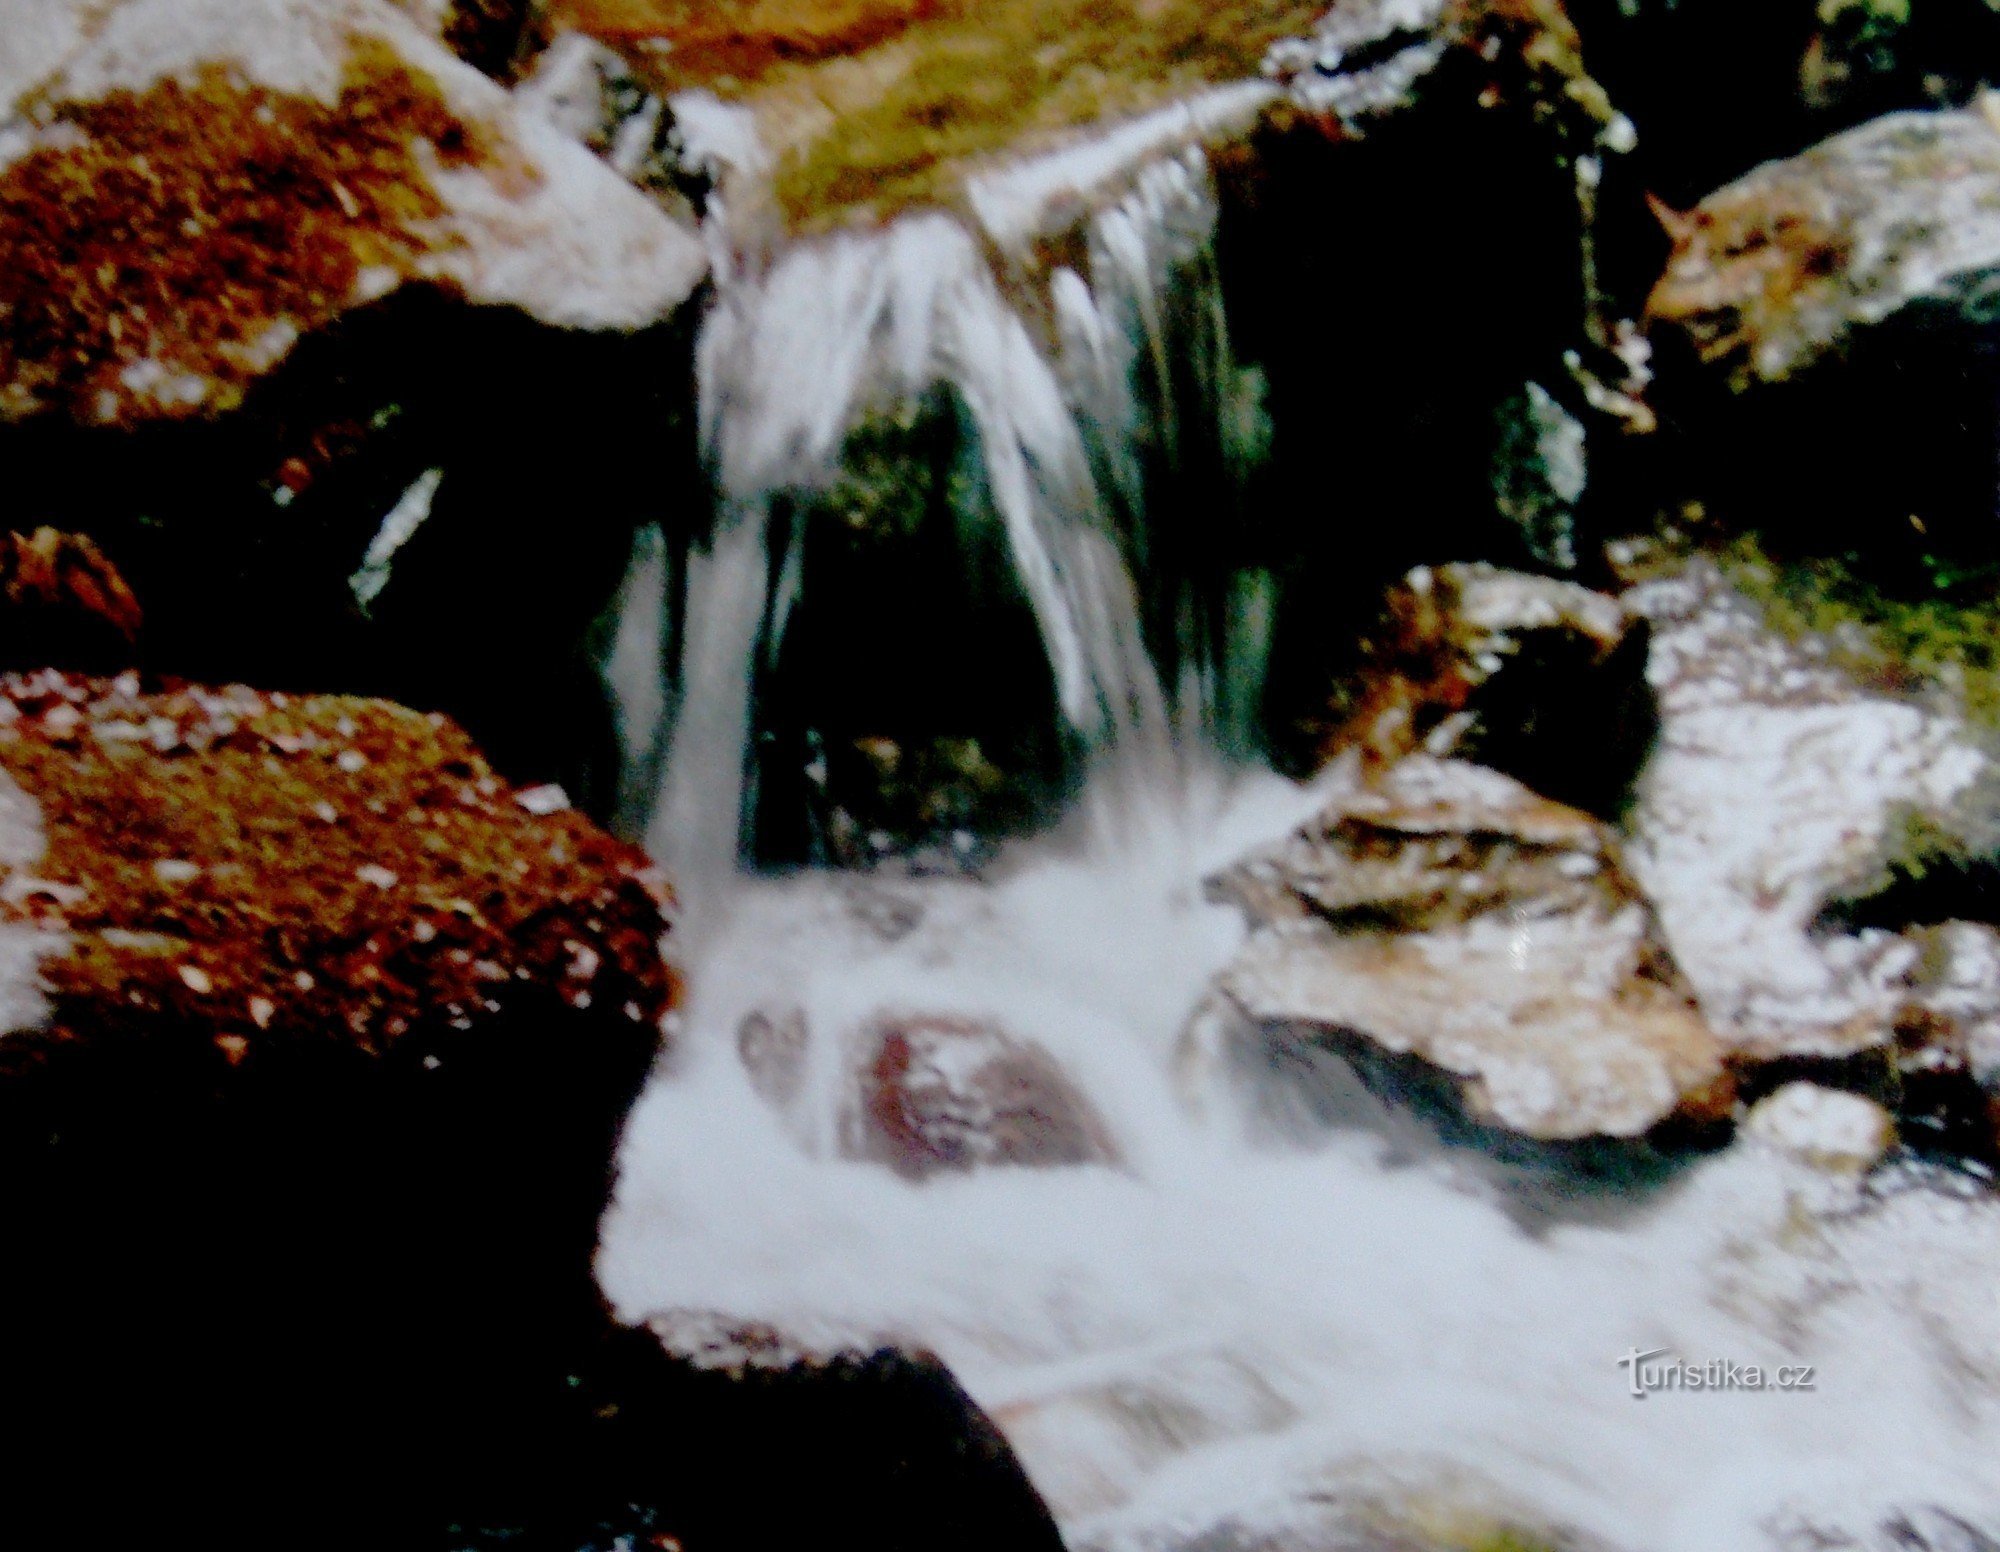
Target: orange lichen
(261, 870)
(151, 245)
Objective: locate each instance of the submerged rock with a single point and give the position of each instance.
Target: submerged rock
(1450, 914)
(942, 1094)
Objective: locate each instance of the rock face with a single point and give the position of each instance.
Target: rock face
(943, 1094)
(1778, 782)
(1448, 913)
(1800, 304)
(322, 1039)
(189, 189)
(1784, 266)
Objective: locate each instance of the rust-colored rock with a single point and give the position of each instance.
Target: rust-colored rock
(941, 1093)
(271, 868)
(309, 1112)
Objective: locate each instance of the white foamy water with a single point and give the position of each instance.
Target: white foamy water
(1282, 1318)
(1244, 1314)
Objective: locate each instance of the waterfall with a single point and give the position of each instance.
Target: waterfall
(1112, 431)
(1278, 1316)
(1175, 428)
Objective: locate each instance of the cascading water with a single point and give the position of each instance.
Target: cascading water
(1250, 1327)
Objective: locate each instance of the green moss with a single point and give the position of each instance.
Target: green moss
(1016, 71)
(1948, 636)
(882, 104)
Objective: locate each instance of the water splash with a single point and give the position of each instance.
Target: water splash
(1257, 1319)
(1280, 1316)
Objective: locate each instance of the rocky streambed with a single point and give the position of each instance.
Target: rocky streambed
(1318, 682)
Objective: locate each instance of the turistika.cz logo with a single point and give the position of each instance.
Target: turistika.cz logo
(1658, 1369)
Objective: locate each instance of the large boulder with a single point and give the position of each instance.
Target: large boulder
(1780, 784)
(191, 188)
(1447, 914)
(314, 329)
(1787, 265)
(320, 1040)
(1800, 306)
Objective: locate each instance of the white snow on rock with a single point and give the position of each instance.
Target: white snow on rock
(547, 227)
(1776, 782)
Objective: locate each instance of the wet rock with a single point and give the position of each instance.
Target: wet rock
(772, 1048)
(1369, 57)
(589, 92)
(298, 160)
(1450, 914)
(884, 1447)
(1788, 264)
(1491, 109)
(1799, 306)
(1825, 1128)
(940, 1093)
(1778, 783)
(1536, 677)
(65, 605)
(310, 1120)
(248, 451)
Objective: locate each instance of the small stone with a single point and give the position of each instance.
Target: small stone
(1828, 1129)
(261, 1011)
(543, 800)
(374, 873)
(235, 1047)
(351, 760)
(175, 870)
(196, 980)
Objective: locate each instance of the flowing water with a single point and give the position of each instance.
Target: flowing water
(1279, 1317)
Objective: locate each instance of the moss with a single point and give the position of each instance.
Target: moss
(882, 104)
(1946, 636)
(177, 225)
